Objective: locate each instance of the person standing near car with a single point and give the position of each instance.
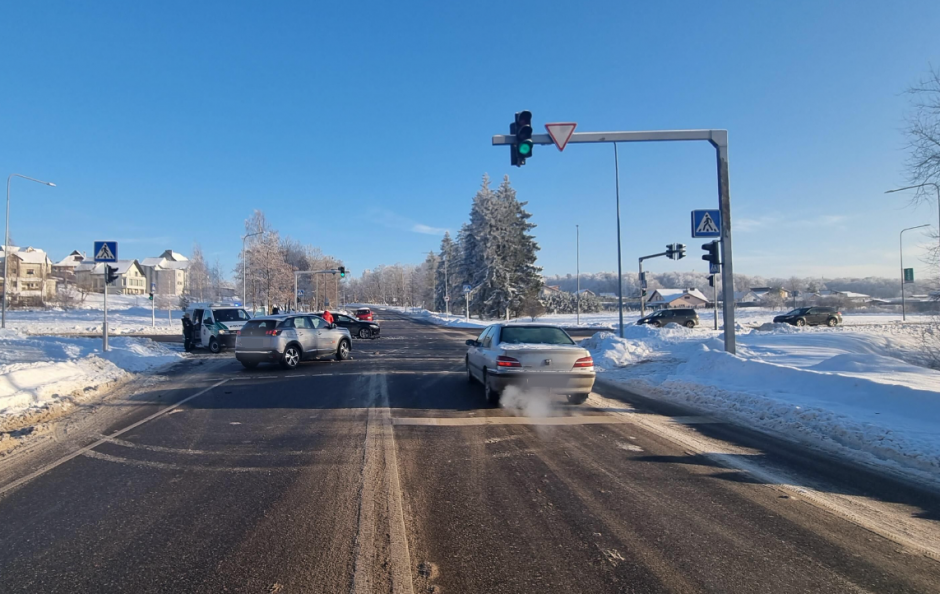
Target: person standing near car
(187, 332)
(327, 316)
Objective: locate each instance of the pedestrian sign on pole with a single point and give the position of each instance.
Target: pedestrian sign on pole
(561, 133)
(467, 288)
(706, 223)
(908, 275)
(714, 269)
(106, 251)
(300, 292)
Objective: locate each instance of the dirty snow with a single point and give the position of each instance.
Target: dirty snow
(861, 392)
(38, 372)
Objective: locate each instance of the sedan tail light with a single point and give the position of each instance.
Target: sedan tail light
(584, 362)
(503, 361)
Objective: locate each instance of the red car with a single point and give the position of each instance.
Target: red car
(364, 313)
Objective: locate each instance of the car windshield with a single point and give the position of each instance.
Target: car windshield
(230, 315)
(534, 335)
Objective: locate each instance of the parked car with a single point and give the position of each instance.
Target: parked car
(811, 316)
(364, 313)
(289, 339)
(357, 328)
(529, 356)
(683, 317)
(215, 324)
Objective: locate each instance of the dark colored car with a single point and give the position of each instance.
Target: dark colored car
(356, 327)
(683, 317)
(364, 313)
(811, 316)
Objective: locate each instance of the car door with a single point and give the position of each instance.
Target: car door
(197, 326)
(345, 322)
(327, 340)
(475, 353)
(306, 335)
(488, 348)
(812, 316)
(205, 331)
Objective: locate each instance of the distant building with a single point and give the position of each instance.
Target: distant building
(30, 270)
(167, 273)
(746, 297)
(131, 279)
(65, 268)
(673, 298)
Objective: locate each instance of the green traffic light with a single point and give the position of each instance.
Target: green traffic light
(525, 149)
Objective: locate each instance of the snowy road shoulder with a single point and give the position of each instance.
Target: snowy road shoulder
(41, 375)
(856, 393)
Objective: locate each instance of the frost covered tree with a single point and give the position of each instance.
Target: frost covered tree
(447, 263)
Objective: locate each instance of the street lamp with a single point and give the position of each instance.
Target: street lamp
(577, 268)
(935, 187)
(245, 269)
(6, 246)
(901, 243)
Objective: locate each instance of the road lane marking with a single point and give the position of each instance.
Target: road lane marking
(166, 450)
(191, 467)
(401, 556)
(88, 448)
(472, 421)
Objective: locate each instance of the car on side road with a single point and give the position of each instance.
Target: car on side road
(683, 316)
(529, 356)
(289, 339)
(357, 328)
(215, 324)
(811, 316)
(364, 313)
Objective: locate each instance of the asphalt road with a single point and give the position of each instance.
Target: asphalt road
(389, 473)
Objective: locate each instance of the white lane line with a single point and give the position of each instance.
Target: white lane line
(472, 421)
(365, 535)
(401, 555)
(88, 448)
(192, 467)
(166, 450)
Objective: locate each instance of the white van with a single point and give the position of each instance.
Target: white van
(215, 324)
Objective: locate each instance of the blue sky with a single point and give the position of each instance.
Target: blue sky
(364, 128)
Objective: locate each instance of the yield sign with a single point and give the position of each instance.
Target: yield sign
(561, 133)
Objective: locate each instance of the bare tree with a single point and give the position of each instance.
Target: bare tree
(923, 162)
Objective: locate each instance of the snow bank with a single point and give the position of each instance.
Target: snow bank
(38, 372)
(858, 392)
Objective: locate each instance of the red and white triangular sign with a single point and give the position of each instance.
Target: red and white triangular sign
(561, 133)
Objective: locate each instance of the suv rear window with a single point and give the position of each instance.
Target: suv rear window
(254, 327)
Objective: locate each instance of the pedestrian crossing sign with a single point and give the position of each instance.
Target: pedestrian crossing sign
(706, 223)
(106, 251)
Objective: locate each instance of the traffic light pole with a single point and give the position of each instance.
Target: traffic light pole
(104, 335)
(719, 140)
(297, 274)
(642, 289)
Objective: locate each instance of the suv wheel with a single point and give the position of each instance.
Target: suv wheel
(800, 322)
(492, 396)
(342, 351)
(656, 324)
(832, 322)
(291, 357)
(690, 324)
(365, 333)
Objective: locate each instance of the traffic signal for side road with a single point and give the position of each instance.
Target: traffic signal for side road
(110, 274)
(342, 271)
(522, 147)
(680, 251)
(711, 253)
(675, 251)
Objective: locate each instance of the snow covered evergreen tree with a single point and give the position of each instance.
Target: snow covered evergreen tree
(447, 261)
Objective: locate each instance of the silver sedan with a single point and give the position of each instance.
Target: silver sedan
(530, 356)
(289, 339)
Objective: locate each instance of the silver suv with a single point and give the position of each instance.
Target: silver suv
(683, 317)
(289, 339)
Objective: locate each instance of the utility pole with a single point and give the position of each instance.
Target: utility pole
(619, 251)
(446, 287)
(577, 231)
(901, 243)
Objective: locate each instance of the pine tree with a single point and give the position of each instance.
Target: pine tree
(447, 260)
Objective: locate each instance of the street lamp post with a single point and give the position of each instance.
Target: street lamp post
(245, 270)
(6, 247)
(901, 243)
(577, 268)
(936, 187)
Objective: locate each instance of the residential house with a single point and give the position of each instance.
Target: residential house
(673, 298)
(746, 298)
(131, 279)
(586, 292)
(167, 273)
(65, 268)
(548, 290)
(30, 272)
(770, 295)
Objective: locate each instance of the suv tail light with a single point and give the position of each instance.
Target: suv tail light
(273, 332)
(503, 361)
(584, 362)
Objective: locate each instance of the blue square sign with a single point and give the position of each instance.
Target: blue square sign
(106, 251)
(706, 223)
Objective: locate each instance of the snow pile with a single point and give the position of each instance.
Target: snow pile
(39, 372)
(858, 392)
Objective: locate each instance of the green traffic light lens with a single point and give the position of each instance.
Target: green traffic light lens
(525, 149)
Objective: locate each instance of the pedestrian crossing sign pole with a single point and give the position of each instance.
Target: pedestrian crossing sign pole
(706, 223)
(105, 251)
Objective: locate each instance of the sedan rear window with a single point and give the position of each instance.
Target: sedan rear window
(534, 335)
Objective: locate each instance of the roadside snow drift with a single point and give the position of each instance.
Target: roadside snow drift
(856, 392)
(37, 372)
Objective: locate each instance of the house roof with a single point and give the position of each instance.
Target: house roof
(122, 266)
(32, 256)
(72, 260)
(669, 295)
(184, 265)
(159, 260)
(173, 256)
(740, 295)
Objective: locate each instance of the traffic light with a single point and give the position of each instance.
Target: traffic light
(680, 251)
(712, 253)
(711, 280)
(342, 271)
(151, 296)
(522, 146)
(110, 274)
(671, 251)
(675, 251)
